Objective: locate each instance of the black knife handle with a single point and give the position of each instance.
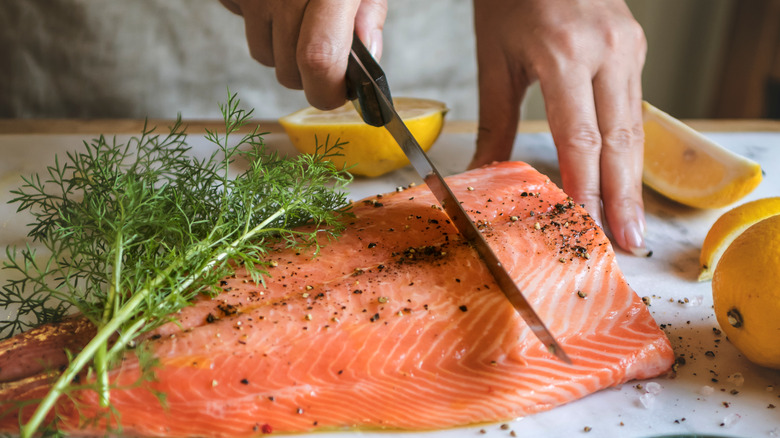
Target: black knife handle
(361, 69)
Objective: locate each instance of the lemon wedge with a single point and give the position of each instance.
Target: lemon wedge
(745, 294)
(687, 167)
(370, 150)
(728, 227)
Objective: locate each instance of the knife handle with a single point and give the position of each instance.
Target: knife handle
(361, 69)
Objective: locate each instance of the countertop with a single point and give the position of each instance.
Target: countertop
(717, 394)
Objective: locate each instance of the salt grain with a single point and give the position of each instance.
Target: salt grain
(647, 400)
(730, 420)
(653, 388)
(695, 301)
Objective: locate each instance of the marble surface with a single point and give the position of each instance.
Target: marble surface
(724, 395)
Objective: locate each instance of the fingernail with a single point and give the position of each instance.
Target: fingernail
(640, 215)
(373, 43)
(597, 219)
(635, 240)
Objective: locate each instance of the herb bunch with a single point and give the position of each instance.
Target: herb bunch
(133, 232)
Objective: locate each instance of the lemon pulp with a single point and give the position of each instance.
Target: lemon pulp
(687, 167)
(370, 151)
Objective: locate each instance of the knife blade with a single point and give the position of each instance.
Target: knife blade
(370, 93)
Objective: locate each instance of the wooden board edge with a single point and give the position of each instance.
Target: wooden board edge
(133, 126)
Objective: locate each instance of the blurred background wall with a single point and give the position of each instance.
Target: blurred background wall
(157, 58)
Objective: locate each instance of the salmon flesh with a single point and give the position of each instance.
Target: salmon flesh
(396, 325)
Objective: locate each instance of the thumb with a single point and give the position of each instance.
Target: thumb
(369, 22)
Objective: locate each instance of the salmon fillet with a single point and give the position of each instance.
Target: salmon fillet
(395, 325)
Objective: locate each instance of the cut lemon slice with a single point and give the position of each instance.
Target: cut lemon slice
(683, 165)
(728, 227)
(371, 151)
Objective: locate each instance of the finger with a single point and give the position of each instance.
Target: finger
(323, 50)
(500, 94)
(369, 22)
(257, 25)
(285, 30)
(231, 6)
(571, 114)
(617, 101)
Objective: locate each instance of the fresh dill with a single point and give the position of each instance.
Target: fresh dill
(133, 232)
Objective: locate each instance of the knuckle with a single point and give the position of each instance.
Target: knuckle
(623, 36)
(618, 138)
(567, 43)
(631, 35)
(320, 56)
(642, 43)
(636, 33)
(628, 202)
(612, 35)
(589, 196)
(635, 38)
(583, 140)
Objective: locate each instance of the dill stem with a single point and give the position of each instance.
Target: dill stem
(126, 337)
(127, 311)
(101, 368)
(101, 356)
(82, 359)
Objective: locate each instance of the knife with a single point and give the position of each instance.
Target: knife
(368, 90)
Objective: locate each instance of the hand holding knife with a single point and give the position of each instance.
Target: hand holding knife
(368, 89)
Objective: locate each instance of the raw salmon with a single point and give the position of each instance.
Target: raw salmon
(395, 325)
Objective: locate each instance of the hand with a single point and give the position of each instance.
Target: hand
(588, 57)
(308, 42)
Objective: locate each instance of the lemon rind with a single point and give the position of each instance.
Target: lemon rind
(297, 118)
(744, 175)
(362, 151)
(746, 281)
(716, 242)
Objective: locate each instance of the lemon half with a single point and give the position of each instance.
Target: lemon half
(728, 227)
(685, 166)
(370, 150)
(746, 292)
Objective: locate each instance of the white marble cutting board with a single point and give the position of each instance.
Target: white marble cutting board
(707, 396)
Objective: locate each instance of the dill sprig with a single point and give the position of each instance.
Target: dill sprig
(133, 232)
